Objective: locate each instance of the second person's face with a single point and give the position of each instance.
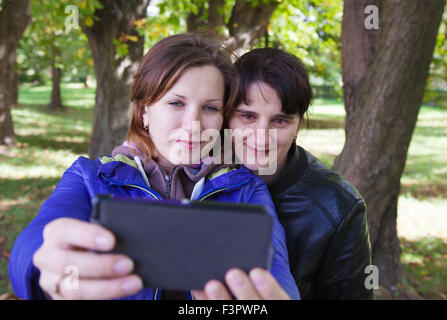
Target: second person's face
(262, 114)
(192, 105)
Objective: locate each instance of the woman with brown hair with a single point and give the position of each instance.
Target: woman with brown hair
(183, 87)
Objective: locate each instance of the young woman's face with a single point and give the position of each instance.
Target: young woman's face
(261, 115)
(177, 120)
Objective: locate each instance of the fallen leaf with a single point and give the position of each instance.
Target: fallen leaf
(89, 21)
(6, 254)
(426, 278)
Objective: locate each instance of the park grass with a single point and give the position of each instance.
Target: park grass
(49, 142)
(422, 207)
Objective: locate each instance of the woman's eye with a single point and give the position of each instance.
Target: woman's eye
(247, 116)
(210, 108)
(280, 122)
(176, 103)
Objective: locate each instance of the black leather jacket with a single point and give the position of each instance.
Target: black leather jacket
(324, 218)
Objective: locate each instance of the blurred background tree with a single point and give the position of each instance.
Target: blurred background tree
(14, 18)
(49, 50)
(117, 48)
(435, 92)
(385, 71)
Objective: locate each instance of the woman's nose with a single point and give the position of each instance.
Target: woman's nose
(191, 121)
(262, 133)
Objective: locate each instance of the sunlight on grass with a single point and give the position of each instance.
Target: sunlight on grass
(73, 94)
(18, 172)
(311, 140)
(422, 218)
(47, 144)
(425, 264)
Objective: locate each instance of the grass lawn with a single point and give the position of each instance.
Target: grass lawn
(48, 143)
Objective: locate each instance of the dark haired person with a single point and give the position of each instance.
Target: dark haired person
(323, 215)
(182, 79)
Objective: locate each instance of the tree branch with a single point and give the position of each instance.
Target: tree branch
(248, 23)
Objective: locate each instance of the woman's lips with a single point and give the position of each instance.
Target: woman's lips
(258, 151)
(188, 144)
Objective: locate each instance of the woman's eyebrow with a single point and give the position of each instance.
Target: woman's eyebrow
(208, 100)
(284, 116)
(179, 95)
(245, 111)
(216, 99)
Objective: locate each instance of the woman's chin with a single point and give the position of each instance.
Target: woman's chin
(253, 167)
(186, 158)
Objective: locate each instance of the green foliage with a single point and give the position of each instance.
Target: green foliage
(309, 29)
(47, 39)
(168, 17)
(312, 31)
(122, 48)
(436, 90)
(182, 8)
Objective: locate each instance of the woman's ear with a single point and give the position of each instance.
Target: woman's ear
(300, 122)
(145, 118)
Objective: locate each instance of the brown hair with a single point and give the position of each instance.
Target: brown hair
(164, 64)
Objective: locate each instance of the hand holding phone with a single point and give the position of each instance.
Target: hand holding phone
(180, 246)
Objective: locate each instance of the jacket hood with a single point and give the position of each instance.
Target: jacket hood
(178, 184)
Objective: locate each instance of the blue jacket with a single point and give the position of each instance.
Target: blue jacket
(86, 178)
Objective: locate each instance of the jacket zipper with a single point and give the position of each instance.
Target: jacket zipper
(150, 191)
(216, 190)
(156, 196)
(168, 185)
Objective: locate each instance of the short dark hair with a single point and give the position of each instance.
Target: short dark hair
(281, 70)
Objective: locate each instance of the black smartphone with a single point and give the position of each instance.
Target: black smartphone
(182, 245)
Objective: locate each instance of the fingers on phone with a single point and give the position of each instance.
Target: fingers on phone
(241, 285)
(199, 295)
(215, 290)
(94, 289)
(267, 286)
(85, 264)
(73, 232)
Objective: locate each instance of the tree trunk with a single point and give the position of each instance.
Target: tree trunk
(56, 100)
(15, 88)
(247, 25)
(56, 77)
(114, 74)
(384, 75)
(194, 21)
(14, 17)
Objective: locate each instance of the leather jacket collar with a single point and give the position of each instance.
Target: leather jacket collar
(292, 171)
